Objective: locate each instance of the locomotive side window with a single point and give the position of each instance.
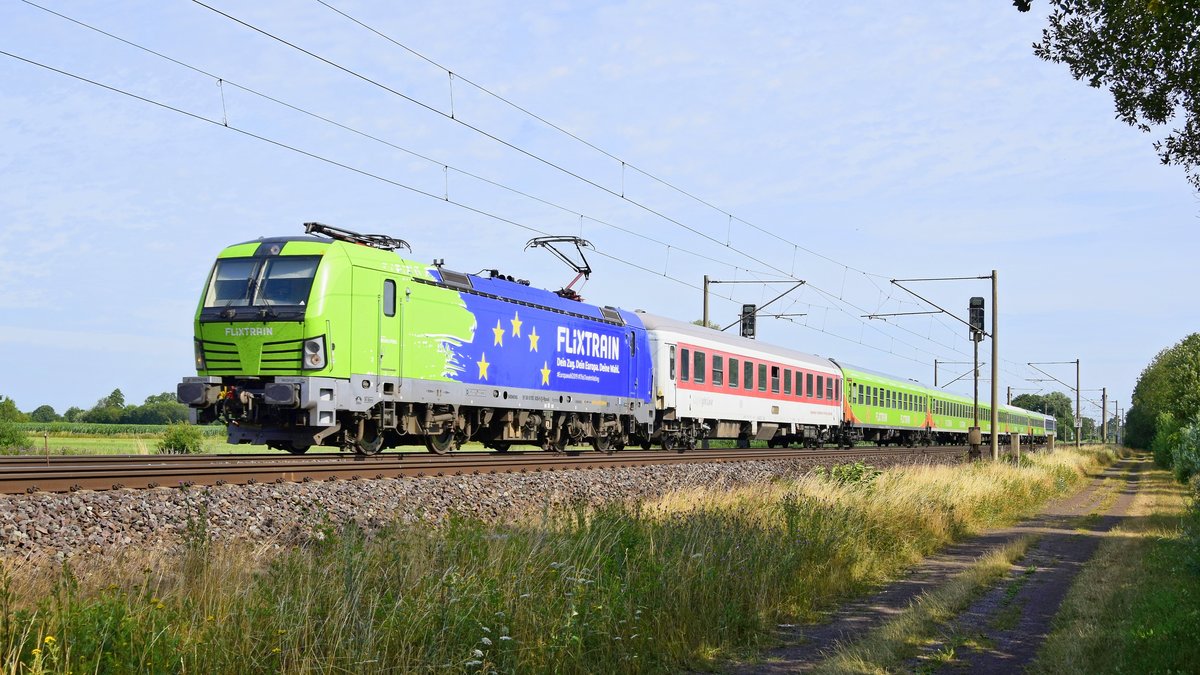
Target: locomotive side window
(685, 364)
(820, 386)
(389, 297)
(748, 375)
(775, 379)
(733, 372)
(671, 361)
(698, 371)
(718, 374)
(762, 377)
(787, 382)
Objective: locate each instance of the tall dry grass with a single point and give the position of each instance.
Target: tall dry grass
(650, 587)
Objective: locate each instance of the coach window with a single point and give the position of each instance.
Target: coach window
(698, 371)
(671, 367)
(808, 386)
(748, 375)
(787, 382)
(774, 379)
(821, 386)
(718, 378)
(685, 364)
(762, 377)
(837, 390)
(861, 394)
(389, 297)
(733, 373)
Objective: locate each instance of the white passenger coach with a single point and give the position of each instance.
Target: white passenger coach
(709, 384)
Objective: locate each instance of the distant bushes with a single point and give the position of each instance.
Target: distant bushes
(12, 436)
(181, 439)
(1177, 446)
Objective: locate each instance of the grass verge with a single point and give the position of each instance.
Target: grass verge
(655, 587)
(1135, 608)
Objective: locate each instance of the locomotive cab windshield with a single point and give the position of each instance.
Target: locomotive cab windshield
(239, 287)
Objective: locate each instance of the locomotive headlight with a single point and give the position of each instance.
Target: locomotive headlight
(314, 353)
(199, 346)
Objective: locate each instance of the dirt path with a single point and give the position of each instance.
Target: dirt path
(1001, 632)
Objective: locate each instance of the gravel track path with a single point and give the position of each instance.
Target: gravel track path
(1068, 538)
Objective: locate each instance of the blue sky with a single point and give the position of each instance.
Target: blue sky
(873, 141)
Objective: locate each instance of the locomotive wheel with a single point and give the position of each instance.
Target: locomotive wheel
(441, 443)
(369, 441)
(603, 444)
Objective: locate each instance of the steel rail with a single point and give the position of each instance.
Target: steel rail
(28, 474)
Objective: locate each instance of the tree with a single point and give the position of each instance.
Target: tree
(44, 413)
(9, 412)
(1056, 404)
(1169, 384)
(1145, 52)
(700, 322)
(73, 414)
(1088, 429)
(114, 400)
(165, 397)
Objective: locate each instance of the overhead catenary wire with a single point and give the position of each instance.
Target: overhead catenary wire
(458, 120)
(445, 197)
(436, 162)
(321, 158)
(624, 162)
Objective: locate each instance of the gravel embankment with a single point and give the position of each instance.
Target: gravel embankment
(61, 525)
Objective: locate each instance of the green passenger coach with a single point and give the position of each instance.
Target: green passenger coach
(889, 411)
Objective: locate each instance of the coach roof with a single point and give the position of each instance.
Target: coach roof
(734, 342)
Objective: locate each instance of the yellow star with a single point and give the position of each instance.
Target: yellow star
(533, 339)
(516, 324)
(545, 373)
(483, 366)
(499, 333)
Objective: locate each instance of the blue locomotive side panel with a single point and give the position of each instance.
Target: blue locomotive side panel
(533, 339)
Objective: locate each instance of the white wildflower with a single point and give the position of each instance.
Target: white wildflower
(487, 642)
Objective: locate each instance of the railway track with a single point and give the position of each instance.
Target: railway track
(31, 473)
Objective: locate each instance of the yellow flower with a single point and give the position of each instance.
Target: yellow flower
(49, 640)
(36, 651)
(275, 650)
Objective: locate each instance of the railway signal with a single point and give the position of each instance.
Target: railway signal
(748, 320)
